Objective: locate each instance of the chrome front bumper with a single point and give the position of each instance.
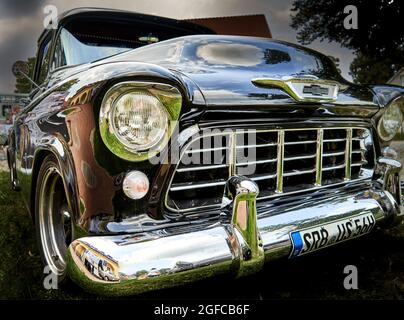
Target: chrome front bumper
(239, 243)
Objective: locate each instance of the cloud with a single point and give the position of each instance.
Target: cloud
(19, 8)
(16, 44)
(21, 22)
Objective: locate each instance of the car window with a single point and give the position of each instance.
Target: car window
(70, 50)
(59, 58)
(87, 40)
(45, 59)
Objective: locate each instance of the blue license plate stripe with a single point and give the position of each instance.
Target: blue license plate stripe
(297, 243)
(317, 237)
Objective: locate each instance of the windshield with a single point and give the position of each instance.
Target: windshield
(87, 40)
(77, 52)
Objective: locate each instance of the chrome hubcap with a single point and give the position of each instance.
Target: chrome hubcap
(54, 221)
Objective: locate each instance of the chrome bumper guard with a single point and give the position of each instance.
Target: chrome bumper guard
(238, 245)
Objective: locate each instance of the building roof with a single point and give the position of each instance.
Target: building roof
(12, 97)
(396, 75)
(244, 25)
(14, 94)
(125, 14)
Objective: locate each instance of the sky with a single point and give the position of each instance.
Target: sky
(21, 23)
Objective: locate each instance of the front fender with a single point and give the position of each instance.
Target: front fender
(64, 121)
(386, 93)
(59, 148)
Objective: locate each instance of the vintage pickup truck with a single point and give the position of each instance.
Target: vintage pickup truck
(155, 153)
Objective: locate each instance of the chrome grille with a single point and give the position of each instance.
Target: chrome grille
(286, 161)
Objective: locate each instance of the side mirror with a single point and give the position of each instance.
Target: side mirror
(20, 70)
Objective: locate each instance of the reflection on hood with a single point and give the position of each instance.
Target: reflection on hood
(208, 53)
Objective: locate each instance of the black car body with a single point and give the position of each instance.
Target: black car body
(147, 219)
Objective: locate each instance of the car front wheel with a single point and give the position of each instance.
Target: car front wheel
(53, 217)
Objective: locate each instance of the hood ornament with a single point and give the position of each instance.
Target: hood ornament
(303, 88)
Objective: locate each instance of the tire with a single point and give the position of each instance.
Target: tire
(53, 221)
(9, 166)
(11, 170)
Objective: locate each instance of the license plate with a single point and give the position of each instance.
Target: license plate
(315, 238)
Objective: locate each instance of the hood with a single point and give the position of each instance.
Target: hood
(224, 67)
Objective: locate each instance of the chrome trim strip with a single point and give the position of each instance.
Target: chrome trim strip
(258, 178)
(279, 169)
(257, 162)
(296, 173)
(214, 166)
(341, 166)
(348, 154)
(233, 155)
(298, 158)
(335, 140)
(333, 154)
(257, 145)
(197, 186)
(206, 150)
(319, 158)
(360, 163)
(291, 143)
(326, 186)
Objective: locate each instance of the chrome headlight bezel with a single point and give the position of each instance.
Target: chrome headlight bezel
(168, 97)
(387, 131)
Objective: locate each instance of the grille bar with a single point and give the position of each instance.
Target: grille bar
(270, 176)
(214, 166)
(258, 162)
(206, 150)
(287, 161)
(341, 166)
(188, 186)
(310, 156)
(256, 145)
(348, 154)
(296, 173)
(291, 143)
(281, 154)
(360, 163)
(333, 154)
(319, 157)
(334, 140)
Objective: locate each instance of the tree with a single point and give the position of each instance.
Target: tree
(379, 39)
(336, 62)
(23, 85)
(367, 69)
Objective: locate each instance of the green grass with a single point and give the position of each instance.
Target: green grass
(21, 269)
(378, 257)
(399, 136)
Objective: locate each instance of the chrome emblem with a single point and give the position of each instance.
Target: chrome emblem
(315, 90)
(308, 89)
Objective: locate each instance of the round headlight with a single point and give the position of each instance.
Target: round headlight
(390, 122)
(139, 120)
